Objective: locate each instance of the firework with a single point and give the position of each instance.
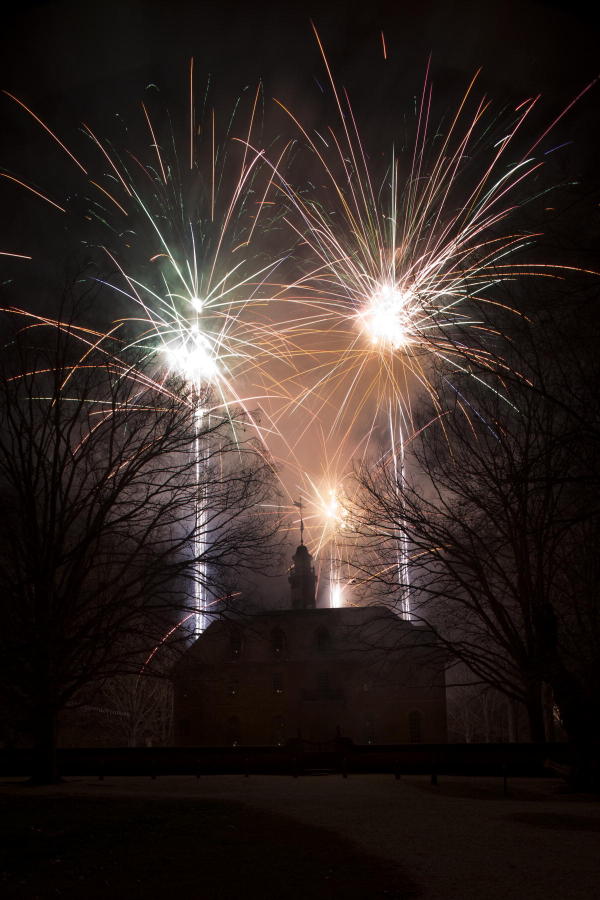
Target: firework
(401, 269)
(178, 237)
(324, 513)
(406, 271)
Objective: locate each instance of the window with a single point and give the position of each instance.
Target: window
(323, 640)
(184, 727)
(233, 731)
(278, 729)
(323, 682)
(278, 642)
(278, 683)
(414, 727)
(235, 643)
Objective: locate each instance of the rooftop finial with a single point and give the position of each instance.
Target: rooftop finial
(298, 503)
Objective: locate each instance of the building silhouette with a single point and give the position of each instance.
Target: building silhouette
(359, 672)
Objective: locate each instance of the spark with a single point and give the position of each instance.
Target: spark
(15, 255)
(403, 274)
(400, 271)
(387, 316)
(197, 309)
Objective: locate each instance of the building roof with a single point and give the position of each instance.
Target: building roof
(339, 632)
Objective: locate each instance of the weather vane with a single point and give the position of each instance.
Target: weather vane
(298, 503)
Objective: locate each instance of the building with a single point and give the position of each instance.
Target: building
(357, 672)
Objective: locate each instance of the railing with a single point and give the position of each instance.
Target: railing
(299, 757)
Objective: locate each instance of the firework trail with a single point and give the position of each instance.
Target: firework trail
(406, 272)
(193, 289)
(399, 272)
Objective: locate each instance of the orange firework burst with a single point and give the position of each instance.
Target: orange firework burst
(408, 271)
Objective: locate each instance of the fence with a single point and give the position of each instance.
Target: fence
(299, 757)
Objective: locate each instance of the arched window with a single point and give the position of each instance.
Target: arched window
(235, 642)
(278, 642)
(323, 685)
(278, 729)
(414, 727)
(185, 728)
(323, 640)
(233, 731)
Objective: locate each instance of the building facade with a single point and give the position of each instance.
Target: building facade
(316, 674)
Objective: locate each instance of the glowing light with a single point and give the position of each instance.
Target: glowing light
(333, 518)
(333, 511)
(192, 357)
(388, 316)
(336, 596)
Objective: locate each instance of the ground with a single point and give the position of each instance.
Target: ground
(319, 837)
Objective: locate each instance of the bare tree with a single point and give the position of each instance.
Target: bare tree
(501, 516)
(100, 547)
(477, 713)
(142, 708)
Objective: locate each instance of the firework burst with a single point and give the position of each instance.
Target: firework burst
(177, 231)
(405, 272)
(408, 271)
(400, 270)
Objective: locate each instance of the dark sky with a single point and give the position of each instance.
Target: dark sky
(76, 62)
(60, 47)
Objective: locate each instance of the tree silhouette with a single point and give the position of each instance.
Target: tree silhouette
(99, 544)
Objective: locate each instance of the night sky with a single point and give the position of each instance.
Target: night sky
(70, 52)
(81, 62)
(76, 62)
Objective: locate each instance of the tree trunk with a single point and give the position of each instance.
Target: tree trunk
(45, 769)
